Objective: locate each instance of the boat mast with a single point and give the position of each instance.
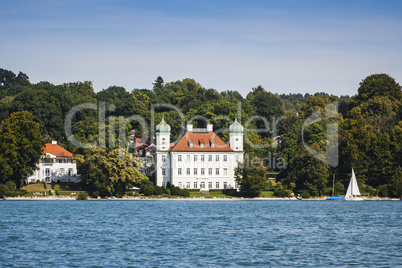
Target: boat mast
(333, 185)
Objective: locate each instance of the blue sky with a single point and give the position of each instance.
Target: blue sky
(287, 46)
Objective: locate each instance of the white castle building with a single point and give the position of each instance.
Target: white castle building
(200, 160)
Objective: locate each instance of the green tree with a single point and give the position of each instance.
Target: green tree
(251, 180)
(108, 173)
(20, 147)
(378, 85)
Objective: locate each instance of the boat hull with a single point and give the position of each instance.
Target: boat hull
(336, 198)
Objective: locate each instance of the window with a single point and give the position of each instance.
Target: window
(236, 139)
(179, 184)
(201, 145)
(163, 184)
(210, 185)
(225, 171)
(195, 185)
(225, 184)
(61, 172)
(47, 172)
(213, 145)
(217, 171)
(202, 158)
(188, 171)
(70, 172)
(217, 158)
(191, 145)
(236, 185)
(217, 185)
(209, 171)
(188, 184)
(237, 158)
(179, 158)
(195, 171)
(163, 171)
(188, 158)
(195, 158)
(210, 158)
(179, 171)
(202, 185)
(60, 161)
(202, 171)
(163, 158)
(225, 158)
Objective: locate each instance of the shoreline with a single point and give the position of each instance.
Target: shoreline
(67, 198)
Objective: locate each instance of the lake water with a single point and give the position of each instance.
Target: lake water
(153, 233)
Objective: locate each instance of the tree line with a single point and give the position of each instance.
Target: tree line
(369, 130)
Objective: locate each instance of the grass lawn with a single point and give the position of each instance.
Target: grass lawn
(267, 194)
(34, 187)
(195, 194)
(218, 194)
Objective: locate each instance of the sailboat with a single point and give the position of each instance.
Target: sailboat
(353, 189)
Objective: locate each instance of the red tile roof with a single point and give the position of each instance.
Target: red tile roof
(201, 137)
(56, 150)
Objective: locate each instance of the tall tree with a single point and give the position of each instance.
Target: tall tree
(20, 146)
(251, 180)
(108, 173)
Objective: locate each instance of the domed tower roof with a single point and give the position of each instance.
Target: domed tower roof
(236, 127)
(163, 127)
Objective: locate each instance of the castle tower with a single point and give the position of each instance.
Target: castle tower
(236, 132)
(162, 136)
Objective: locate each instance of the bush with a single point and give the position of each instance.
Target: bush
(94, 194)
(82, 196)
(282, 192)
(11, 186)
(231, 192)
(147, 190)
(50, 193)
(305, 194)
(44, 185)
(3, 191)
(185, 193)
(175, 190)
(158, 190)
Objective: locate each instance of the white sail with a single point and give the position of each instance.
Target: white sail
(353, 188)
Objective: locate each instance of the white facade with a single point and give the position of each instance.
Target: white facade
(200, 160)
(55, 165)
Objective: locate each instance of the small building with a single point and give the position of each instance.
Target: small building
(200, 159)
(55, 164)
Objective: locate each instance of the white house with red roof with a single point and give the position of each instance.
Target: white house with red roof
(55, 164)
(200, 159)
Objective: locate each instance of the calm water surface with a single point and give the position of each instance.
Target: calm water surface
(200, 233)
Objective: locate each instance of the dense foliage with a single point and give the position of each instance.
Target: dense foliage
(20, 147)
(107, 173)
(369, 133)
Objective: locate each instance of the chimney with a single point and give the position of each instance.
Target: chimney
(190, 127)
(54, 142)
(210, 127)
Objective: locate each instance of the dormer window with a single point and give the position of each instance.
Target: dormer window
(190, 144)
(213, 145)
(201, 145)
